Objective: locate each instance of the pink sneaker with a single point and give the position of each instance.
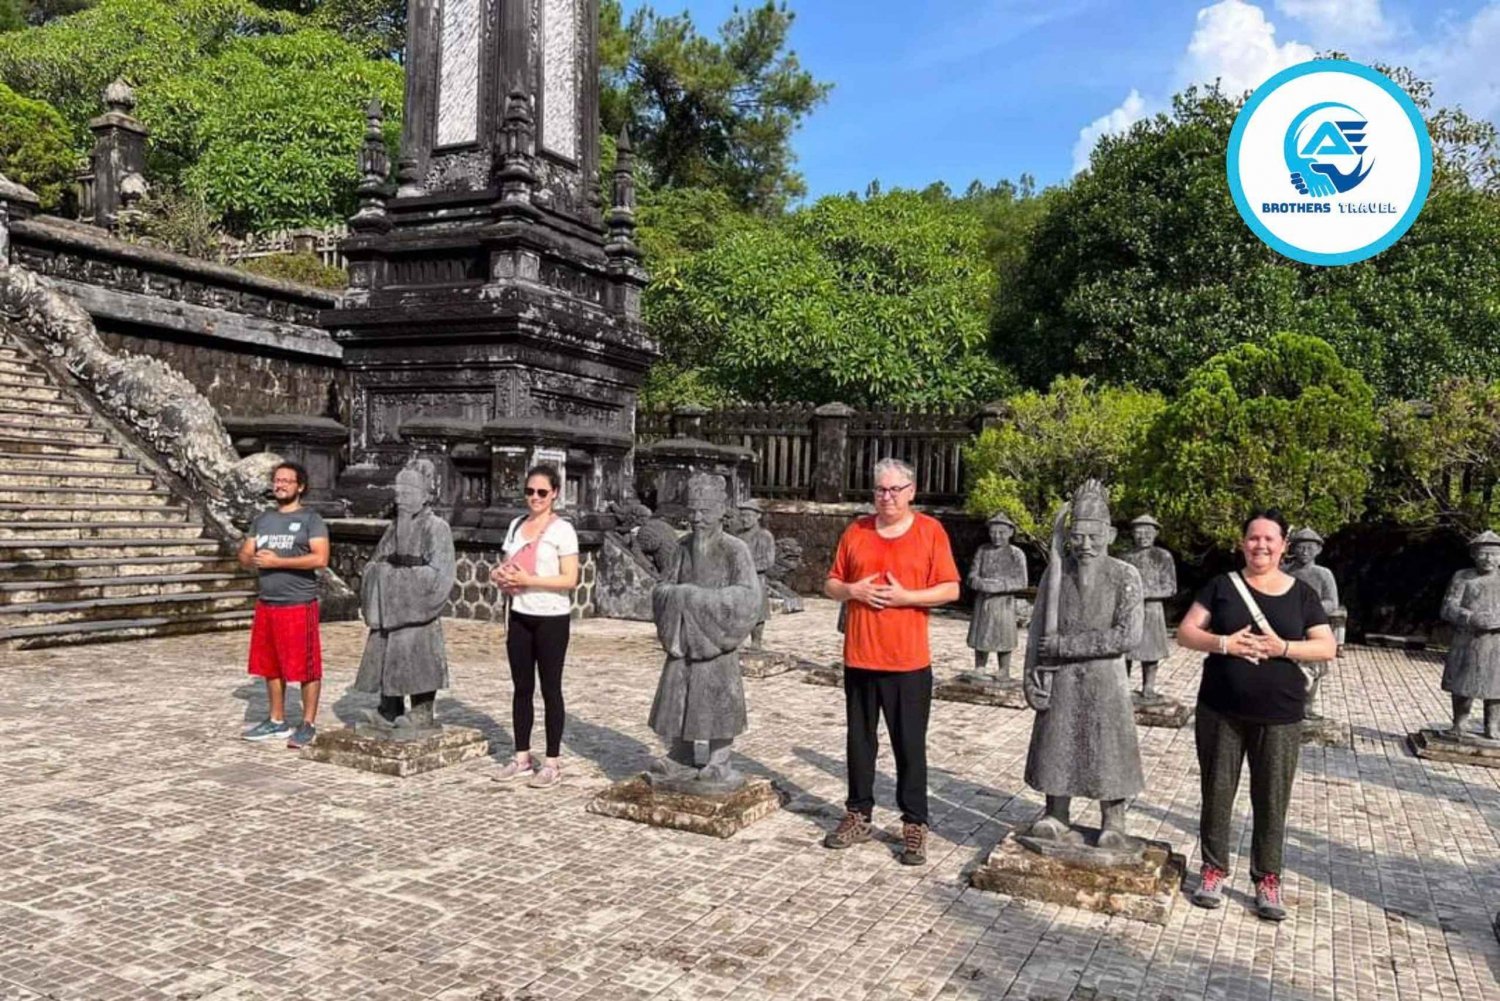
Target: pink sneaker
(546, 777)
(1268, 898)
(1210, 892)
(513, 770)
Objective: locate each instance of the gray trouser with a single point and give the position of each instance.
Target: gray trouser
(1273, 750)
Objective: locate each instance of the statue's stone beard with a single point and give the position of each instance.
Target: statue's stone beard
(699, 540)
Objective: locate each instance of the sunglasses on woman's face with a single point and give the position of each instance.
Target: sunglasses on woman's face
(538, 492)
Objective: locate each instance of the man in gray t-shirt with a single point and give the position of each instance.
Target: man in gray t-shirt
(287, 545)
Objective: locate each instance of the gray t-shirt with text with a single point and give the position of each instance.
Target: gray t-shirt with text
(288, 535)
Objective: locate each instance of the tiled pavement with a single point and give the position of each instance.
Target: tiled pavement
(147, 853)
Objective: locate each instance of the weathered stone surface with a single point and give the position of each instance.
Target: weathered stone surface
(766, 663)
(981, 689)
(401, 758)
(827, 675)
(1325, 732)
(1143, 889)
(1439, 745)
(623, 589)
(718, 816)
(1162, 712)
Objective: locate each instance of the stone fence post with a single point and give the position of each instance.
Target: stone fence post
(992, 414)
(830, 432)
(687, 421)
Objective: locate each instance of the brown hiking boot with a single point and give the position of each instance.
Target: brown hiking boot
(852, 830)
(913, 844)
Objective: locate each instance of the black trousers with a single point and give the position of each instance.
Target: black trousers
(1273, 750)
(537, 645)
(904, 698)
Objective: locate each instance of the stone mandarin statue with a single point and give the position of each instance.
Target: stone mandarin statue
(1088, 614)
(1472, 607)
(705, 606)
(403, 591)
(996, 578)
(763, 551)
(1158, 582)
(1301, 561)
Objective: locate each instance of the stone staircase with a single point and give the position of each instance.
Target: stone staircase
(91, 547)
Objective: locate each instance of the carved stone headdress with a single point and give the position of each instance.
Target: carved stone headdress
(706, 487)
(1091, 503)
(1485, 538)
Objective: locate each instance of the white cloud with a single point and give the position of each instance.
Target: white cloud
(1331, 20)
(1235, 44)
(1462, 65)
(1130, 111)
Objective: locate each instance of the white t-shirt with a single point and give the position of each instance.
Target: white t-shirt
(557, 541)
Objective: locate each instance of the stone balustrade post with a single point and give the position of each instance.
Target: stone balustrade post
(830, 451)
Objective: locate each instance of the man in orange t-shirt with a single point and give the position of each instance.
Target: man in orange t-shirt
(889, 570)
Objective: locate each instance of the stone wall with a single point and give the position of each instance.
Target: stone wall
(241, 380)
(353, 541)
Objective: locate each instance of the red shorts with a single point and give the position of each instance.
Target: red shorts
(284, 642)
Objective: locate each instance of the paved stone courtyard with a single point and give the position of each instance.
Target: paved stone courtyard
(145, 852)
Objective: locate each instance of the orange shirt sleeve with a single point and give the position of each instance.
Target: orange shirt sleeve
(941, 569)
(840, 569)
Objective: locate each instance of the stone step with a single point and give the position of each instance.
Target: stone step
(89, 588)
(20, 367)
(28, 376)
(10, 432)
(10, 353)
(114, 566)
(40, 444)
(51, 613)
(12, 390)
(22, 418)
(120, 549)
(112, 630)
(42, 480)
(56, 407)
(45, 496)
(16, 532)
(92, 513)
(19, 462)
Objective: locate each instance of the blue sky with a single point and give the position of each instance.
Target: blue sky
(955, 90)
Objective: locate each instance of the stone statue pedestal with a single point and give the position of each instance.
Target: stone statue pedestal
(1441, 745)
(425, 750)
(1160, 711)
(827, 675)
(1140, 883)
(765, 663)
(982, 689)
(719, 815)
(1325, 732)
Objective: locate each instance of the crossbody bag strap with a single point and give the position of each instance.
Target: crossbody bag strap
(1255, 613)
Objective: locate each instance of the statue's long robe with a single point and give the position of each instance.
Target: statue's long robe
(704, 608)
(763, 554)
(1472, 668)
(1084, 743)
(1158, 582)
(1001, 572)
(404, 653)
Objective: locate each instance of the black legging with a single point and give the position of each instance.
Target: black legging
(537, 644)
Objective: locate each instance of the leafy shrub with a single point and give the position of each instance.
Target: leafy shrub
(1442, 459)
(304, 269)
(35, 147)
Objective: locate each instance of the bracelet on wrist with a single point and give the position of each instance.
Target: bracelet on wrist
(1286, 648)
(1223, 645)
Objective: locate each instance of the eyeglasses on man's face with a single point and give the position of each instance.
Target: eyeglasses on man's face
(538, 492)
(890, 491)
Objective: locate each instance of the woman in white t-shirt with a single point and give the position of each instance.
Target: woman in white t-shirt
(539, 573)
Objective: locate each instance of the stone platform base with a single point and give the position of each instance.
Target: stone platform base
(765, 663)
(1438, 745)
(828, 675)
(1162, 712)
(719, 816)
(1142, 889)
(450, 746)
(981, 689)
(1326, 732)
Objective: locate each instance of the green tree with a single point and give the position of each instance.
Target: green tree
(35, 147)
(881, 301)
(1142, 269)
(1283, 424)
(707, 113)
(254, 111)
(12, 17)
(1048, 443)
(1442, 459)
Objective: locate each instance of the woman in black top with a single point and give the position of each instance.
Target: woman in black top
(1251, 703)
